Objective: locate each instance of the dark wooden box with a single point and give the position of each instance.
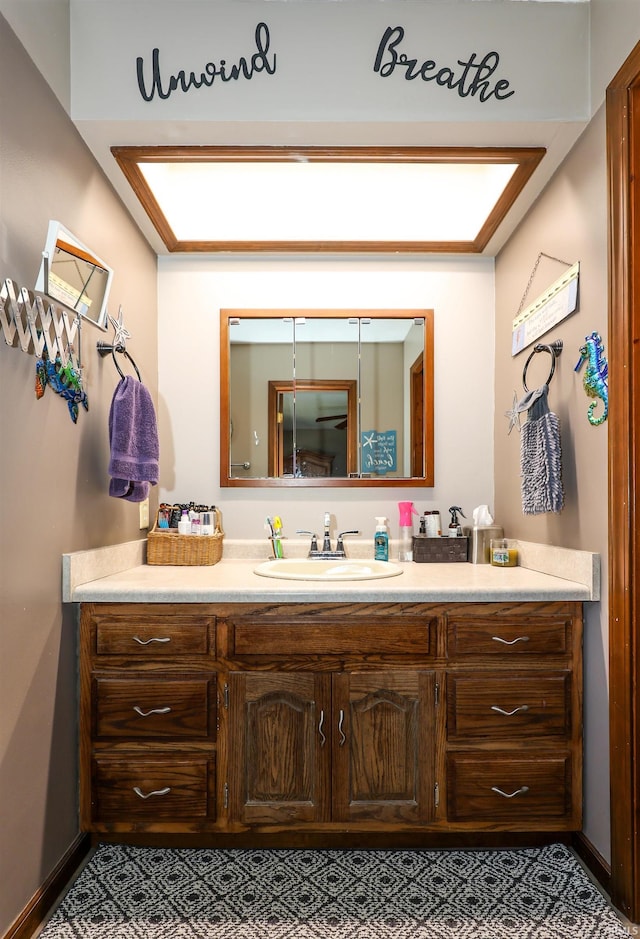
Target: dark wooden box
(428, 550)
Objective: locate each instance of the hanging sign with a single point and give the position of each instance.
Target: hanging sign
(379, 452)
(550, 308)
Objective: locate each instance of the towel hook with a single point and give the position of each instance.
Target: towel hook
(104, 348)
(554, 349)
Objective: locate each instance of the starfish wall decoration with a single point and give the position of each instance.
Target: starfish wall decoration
(121, 334)
(513, 414)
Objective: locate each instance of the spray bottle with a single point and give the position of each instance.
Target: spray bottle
(405, 551)
(381, 540)
(455, 528)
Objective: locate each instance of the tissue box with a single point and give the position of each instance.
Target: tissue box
(445, 550)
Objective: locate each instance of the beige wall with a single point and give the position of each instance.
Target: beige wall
(459, 290)
(569, 221)
(53, 474)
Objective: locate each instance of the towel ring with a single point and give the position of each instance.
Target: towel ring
(104, 348)
(554, 350)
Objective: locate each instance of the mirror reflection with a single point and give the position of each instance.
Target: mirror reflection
(72, 274)
(313, 397)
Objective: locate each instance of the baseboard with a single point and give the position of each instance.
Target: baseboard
(43, 900)
(351, 840)
(592, 859)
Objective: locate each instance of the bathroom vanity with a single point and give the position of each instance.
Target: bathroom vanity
(302, 714)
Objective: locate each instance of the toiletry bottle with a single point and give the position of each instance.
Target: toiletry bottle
(455, 529)
(184, 525)
(381, 540)
(405, 550)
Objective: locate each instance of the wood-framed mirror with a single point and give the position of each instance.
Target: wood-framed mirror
(326, 398)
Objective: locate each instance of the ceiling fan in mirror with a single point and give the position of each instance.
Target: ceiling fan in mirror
(341, 418)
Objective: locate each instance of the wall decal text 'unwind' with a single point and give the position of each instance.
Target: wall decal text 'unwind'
(243, 68)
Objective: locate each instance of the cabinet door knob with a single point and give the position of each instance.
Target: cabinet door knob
(522, 707)
(323, 739)
(342, 734)
(154, 792)
(142, 713)
(510, 795)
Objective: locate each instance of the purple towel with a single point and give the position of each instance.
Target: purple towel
(133, 437)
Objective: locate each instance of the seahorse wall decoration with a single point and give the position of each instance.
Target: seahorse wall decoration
(596, 376)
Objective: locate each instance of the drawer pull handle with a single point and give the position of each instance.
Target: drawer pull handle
(510, 795)
(145, 642)
(522, 707)
(152, 711)
(323, 739)
(510, 642)
(342, 734)
(154, 792)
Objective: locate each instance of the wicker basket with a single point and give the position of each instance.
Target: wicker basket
(439, 550)
(166, 546)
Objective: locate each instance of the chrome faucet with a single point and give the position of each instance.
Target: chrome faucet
(326, 552)
(326, 542)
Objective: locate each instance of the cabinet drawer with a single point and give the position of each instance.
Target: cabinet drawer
(153, 790)
(142, 708)
(497, 787)
(364, 637)
(508, 638)
(152, 636)
(500, 706)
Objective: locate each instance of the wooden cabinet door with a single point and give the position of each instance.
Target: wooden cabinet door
(384, 744)
(279, 747)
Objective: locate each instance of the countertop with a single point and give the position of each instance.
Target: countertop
(118, 575)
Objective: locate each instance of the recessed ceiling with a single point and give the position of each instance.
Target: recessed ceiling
(358, 199)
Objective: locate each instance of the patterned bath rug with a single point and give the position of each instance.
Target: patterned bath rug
(129, 892)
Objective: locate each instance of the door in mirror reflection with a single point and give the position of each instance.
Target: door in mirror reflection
(313, 427)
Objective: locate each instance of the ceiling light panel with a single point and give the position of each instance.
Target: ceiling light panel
(316, 199)
(326, 201)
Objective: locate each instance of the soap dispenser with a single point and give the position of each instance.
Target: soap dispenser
(381, 540)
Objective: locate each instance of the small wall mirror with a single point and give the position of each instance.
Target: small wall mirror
(326, 398)
(72, 275)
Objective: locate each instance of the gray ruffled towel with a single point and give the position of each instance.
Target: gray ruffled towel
(133, 437)
(540, 455)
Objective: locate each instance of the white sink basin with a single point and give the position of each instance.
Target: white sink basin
(314, 569)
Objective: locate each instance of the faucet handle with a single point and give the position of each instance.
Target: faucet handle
(339, 543)
(314, 538)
